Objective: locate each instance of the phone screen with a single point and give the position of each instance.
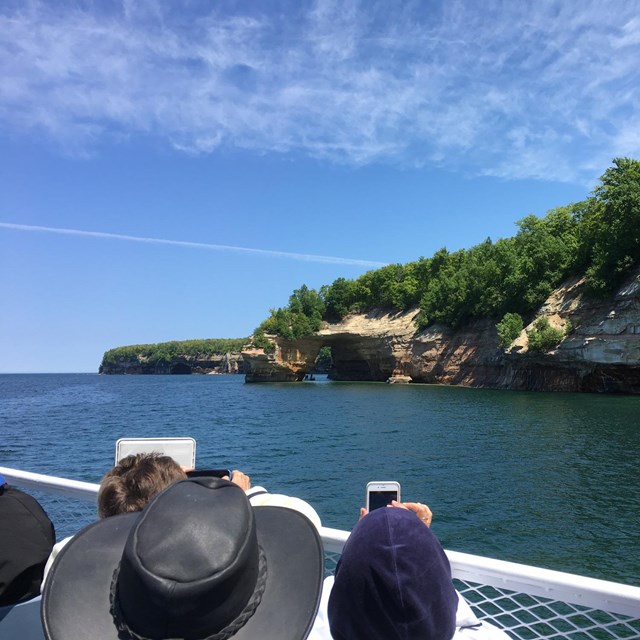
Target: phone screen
(379, 499)
(216, 473)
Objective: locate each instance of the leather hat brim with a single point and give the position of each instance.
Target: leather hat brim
(75, 599)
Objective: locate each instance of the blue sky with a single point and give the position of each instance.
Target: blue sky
(173, 170)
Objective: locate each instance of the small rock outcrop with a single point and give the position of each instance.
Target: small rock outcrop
(601, 353)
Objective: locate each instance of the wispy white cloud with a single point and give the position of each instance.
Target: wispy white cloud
(306, 257)
(520, 90)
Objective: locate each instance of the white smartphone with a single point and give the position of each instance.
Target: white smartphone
(182, 450)
(380, 493)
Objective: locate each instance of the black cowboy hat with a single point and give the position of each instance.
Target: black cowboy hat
(197, 563)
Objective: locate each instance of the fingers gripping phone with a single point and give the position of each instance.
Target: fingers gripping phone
(380, 493)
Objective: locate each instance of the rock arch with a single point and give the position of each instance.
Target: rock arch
(371, 347)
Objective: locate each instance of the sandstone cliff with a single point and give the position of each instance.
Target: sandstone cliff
(219, 363)
(600, 353)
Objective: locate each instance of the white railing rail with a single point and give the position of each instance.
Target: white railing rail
(85, 491)
(530, 603)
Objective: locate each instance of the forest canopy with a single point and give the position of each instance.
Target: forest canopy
(167, 351)
(598, 237)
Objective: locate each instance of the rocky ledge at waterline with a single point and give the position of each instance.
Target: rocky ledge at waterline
(601, 353)
(231, 362)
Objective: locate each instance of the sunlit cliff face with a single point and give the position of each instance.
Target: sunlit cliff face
(600, 354)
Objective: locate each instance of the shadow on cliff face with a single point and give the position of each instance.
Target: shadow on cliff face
(179, 368)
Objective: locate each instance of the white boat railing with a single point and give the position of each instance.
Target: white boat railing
(527, 602)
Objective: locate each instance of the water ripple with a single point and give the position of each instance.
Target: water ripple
(546, 479)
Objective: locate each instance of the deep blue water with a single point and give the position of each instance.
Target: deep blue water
(546, 479)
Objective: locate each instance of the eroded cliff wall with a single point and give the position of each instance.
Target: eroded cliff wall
(601, 353)
(220, 363)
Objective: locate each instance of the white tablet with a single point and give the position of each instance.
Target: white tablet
(182, 450)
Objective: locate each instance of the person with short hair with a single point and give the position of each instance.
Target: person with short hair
(134, 481)
(27, 536)
(198, 562)
(138, 478)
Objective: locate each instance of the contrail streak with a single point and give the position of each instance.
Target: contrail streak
(196, 245)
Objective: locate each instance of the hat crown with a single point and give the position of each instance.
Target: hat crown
(190, 562)
(208, 546)
(393, 581)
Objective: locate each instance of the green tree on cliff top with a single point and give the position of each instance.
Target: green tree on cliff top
(611, 227)
(303, 316)
(598, 237)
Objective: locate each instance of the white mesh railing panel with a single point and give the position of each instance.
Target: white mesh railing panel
(529, 617)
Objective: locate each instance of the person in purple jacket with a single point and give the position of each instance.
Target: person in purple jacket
(393, 582)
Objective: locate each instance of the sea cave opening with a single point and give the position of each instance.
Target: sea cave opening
(180, 369)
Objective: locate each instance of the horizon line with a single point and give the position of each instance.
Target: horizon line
(307, 257)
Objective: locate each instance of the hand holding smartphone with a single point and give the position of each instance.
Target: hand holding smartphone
(380, 493)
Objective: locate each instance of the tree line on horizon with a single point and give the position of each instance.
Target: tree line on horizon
(598, 238)
(168, 351)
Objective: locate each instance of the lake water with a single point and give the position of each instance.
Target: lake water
(545, 479)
